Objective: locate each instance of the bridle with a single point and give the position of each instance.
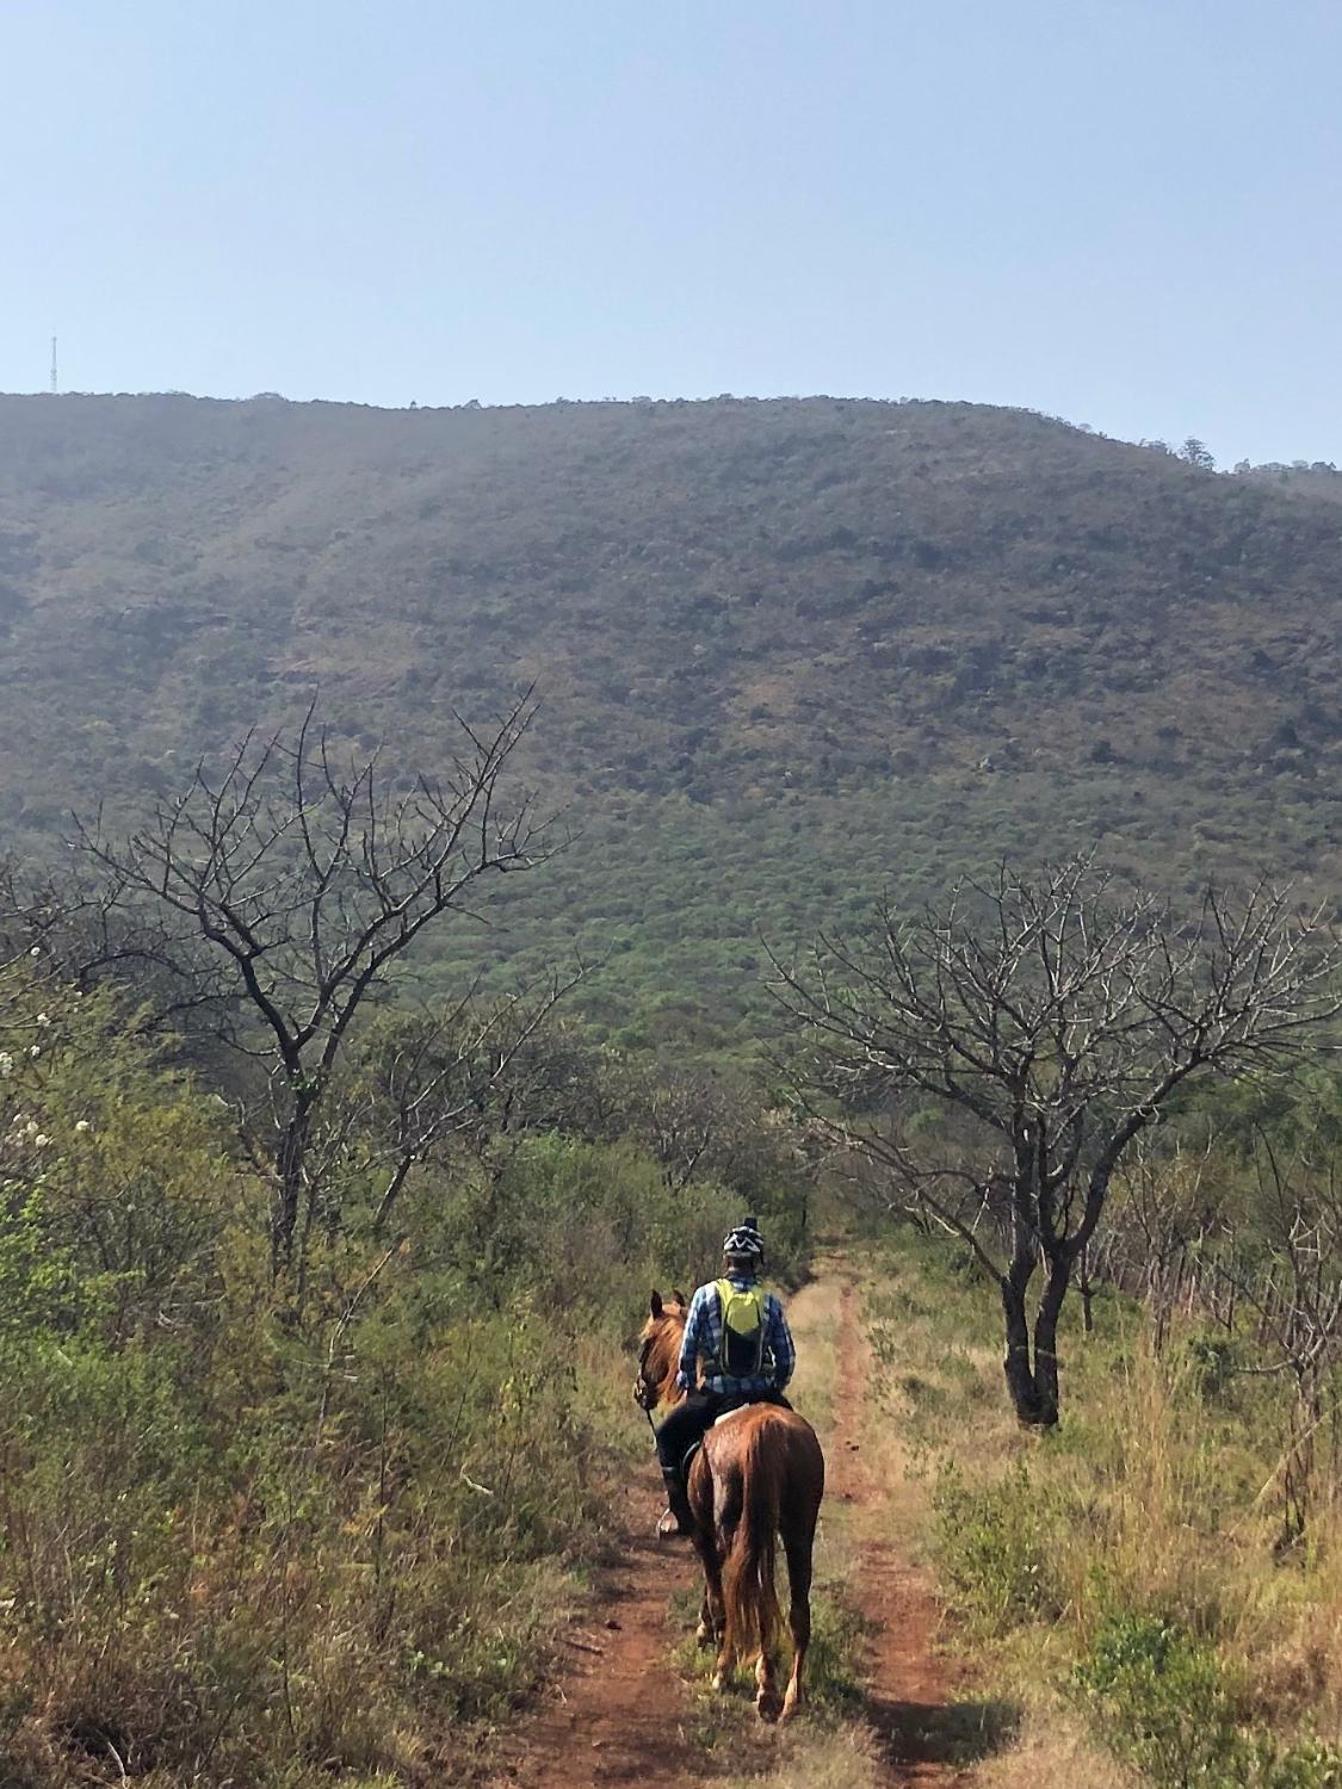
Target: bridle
(646, 1395)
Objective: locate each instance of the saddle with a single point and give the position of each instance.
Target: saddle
(716, 1423)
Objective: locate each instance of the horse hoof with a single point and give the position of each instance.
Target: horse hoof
(704, 1635)
(719, 1681)
(787, 1711)
(767, 1706)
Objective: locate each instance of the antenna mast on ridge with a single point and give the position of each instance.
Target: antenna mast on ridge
(54, 386)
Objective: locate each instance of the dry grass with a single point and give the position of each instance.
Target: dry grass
(813, 1316)
(1156, 1495)
(1051, 1752)
(844, 1758)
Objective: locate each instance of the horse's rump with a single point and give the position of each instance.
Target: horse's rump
(761, 1473)
(784, 1444)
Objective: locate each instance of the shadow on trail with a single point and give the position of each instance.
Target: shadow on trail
(956, 1733)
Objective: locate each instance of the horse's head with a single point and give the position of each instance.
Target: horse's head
(659, 1350)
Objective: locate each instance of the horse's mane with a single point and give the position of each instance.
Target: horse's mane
(659, 1346)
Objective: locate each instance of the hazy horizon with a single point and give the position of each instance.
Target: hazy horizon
(1114, 213)
(746, 397)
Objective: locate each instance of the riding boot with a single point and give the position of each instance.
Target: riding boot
(678, 1519)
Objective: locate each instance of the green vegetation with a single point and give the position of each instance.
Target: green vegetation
(1165, 1701)
(1130, 1566)
(287, 1516)
(787, 653)
(247, 1539)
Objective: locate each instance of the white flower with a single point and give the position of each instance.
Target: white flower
(83, 1126)
(36, 951)
(30, 1129)
(41, 1140)
(36, 1050)
(44, 1018)
(6, 1065)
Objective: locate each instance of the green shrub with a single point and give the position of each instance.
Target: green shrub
(992, 1542)
(1212, 1359)
(1165, 1703)
(1160, 1698)
(1309, 1765)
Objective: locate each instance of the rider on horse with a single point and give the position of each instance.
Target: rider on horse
(739, 1333)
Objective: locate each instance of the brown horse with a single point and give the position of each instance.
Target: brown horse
(759, 1474)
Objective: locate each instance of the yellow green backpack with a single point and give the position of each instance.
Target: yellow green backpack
(742, 1352)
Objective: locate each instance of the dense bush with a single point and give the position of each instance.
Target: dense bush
(1166, 1703)
(793, 651)
(251, 1538)
(994, 1543)
(1162, 1701)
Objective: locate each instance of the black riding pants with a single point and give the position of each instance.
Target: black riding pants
(691, 1420)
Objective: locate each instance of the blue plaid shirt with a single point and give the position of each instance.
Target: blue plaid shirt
(703, 1338)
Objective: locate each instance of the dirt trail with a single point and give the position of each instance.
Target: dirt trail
(621, 1714)
(911, 1690)
(618, 1715)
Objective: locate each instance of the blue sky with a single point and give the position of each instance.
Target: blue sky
(1125, 212)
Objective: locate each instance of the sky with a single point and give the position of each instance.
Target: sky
(1123, 212)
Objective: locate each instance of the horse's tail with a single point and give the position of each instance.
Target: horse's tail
(749, 1597)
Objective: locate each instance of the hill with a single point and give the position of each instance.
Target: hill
(787, 651)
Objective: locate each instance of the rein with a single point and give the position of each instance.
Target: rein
(646, 1395)
(643, 1354)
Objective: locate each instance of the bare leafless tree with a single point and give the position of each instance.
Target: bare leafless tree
(76, 917)
(1058, 1019)
(429, 1077)
(308, 878)
(1288, 1272)
(1167, 1206)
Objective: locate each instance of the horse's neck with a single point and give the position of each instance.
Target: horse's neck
(675, 1335)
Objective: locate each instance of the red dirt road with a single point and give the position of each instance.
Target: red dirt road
(617, 1715)
(621, 1714)
(911, 1689)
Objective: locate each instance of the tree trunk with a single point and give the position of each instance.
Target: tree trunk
(290, 1173)
(1086, 1287)
(1031, 1362)
(1046, 1337)
(392, 1193)
(1298, 1478)
(1016, 1364)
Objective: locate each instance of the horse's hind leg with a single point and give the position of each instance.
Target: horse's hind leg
(766, 1683)
(719, 1541)
(798, 1543)
(722, 1665)
(712, 1616)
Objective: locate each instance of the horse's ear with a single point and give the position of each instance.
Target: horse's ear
(680, 1297)
(655, 1303)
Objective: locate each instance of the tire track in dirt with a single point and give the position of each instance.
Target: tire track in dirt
(619, 1713)
(911, 1700)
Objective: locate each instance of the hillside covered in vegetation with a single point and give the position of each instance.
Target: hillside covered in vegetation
(786, 652)
(320, 1304)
